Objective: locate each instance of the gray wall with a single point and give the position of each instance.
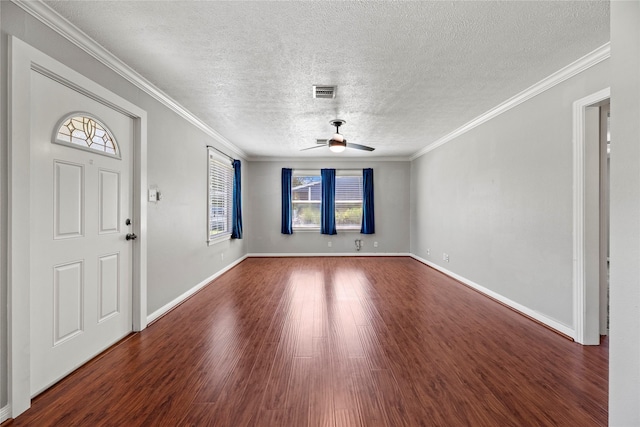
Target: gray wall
(178, 256)
(498, 200)
(391, 195)
(624, 347)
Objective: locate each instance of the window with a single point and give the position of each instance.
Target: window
(306, 191)
(305, 201)
(348, 202)
(81, 130)
(220, 197)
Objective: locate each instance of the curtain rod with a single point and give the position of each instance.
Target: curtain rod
(221, 152)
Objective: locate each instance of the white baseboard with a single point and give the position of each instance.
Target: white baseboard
(553, 324)
(5, 412)
(167, 307)
(564, 329)
(326, 254)
(164, 309)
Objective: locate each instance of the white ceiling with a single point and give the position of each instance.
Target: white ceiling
(407, 73)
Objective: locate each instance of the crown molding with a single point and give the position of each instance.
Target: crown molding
(576, 67)
(328, 159)
(66, 29)
(56, 22)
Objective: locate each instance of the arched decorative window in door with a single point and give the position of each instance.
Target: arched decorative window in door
(85, 132)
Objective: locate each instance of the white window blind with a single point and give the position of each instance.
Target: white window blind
(348, 202)
(220, 197)
(306, 190)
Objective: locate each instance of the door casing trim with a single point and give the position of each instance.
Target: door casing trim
(23, 59)
(583, 332)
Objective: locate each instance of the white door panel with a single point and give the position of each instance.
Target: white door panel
(109, 286)
(109, 201)
(68, 199)
(68, 301)
(80, 261)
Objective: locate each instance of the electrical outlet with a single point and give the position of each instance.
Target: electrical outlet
(428, 251)
(329, 244)
(222, 256)
(445, 257)
(375, 244)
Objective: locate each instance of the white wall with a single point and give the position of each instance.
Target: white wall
(3, 216)
(498, 200)
(391, 197)
(178, 255)
(624, 345)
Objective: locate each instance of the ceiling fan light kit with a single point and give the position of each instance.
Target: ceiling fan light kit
(337, 143)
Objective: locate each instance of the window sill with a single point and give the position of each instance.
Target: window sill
(219, 239)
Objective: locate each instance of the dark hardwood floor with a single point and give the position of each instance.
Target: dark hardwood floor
(335, 342)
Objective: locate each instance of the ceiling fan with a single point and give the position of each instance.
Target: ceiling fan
(337, 143)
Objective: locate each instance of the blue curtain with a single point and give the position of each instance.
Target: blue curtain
(368, 217)
(287, 226)
(328, 202)
(236, 217)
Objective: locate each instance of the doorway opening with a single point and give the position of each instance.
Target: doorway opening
(591, 217)
(605, 152)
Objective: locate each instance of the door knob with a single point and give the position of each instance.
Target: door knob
(131, 236)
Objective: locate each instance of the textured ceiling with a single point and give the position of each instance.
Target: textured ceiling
(407, 73)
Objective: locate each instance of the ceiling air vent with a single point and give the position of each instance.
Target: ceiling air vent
(324, 91)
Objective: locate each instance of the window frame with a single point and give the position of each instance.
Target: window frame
(57, 140)
(226, 166)
(316, 173)
(354, 173)
(305, 173)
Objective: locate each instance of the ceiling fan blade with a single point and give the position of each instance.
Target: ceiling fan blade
(359, 147)
(311, 148)
(321, 141)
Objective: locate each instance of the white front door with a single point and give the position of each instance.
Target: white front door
(81, 263)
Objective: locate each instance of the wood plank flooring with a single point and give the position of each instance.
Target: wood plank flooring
(335, 342)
